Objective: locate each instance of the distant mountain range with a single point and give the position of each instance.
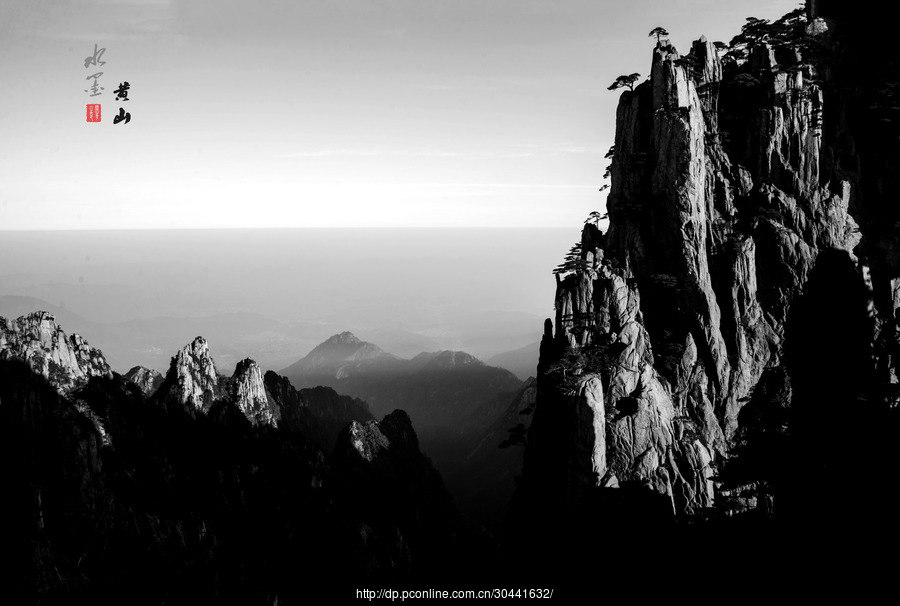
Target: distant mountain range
(438, 389)
(460, 408)
(274, 344)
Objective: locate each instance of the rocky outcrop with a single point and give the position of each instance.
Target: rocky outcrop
(147, 379)
(194, 385)
(192, 381)
(66, 361)
(248, 391)
(731, 196)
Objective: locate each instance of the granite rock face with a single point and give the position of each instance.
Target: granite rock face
(249, 394)
(147, 379)
(733, 198)
(192, 380)
(66, 361)
(194, 385)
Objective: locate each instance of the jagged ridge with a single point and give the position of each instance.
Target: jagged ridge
(722, 209)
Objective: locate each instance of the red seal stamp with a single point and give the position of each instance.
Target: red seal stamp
(93, 112)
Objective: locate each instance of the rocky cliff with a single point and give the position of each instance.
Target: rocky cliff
(193, 384)
(193, 381)
(743, 298)
(66, 361)
(147, 379)
(248, 392)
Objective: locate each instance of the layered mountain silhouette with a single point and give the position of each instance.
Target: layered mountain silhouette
(437, 389)
(522, 362)
(451, 397)
(212, 485)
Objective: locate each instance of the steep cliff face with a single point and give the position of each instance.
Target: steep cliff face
(249, 394)
(192, 380)
(733, 224)
(66, 361)
(194, 385)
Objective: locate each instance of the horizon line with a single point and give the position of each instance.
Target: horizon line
(310, 227)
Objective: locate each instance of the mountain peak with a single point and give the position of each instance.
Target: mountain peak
(147, 379)
(246, 365)
(67, 361)
(346, 347)
(344, 338)
(193, 376)
(335, 355)
(249, 392)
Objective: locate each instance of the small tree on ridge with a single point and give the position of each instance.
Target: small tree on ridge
(628, 81)
(659, 32)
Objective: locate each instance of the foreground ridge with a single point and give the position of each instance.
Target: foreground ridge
(743, 298)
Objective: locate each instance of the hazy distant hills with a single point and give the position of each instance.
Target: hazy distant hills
(522, 362)
(399, 341)
(339, 357)
(274, 344)
(439, 389)
(452, 397)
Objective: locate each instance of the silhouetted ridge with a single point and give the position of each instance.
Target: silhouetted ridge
(112, 496)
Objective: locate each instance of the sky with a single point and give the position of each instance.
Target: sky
(323, 113)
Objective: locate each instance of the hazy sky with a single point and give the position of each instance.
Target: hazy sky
(323, 112)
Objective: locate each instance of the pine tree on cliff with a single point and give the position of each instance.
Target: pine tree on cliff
(628, 81)
(659, 32)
